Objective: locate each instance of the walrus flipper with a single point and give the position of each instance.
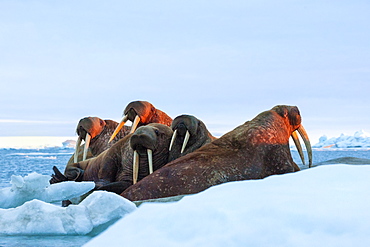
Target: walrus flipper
(57, 177)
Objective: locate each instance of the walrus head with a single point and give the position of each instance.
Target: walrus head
(150, 141)
(138, 112)
(292, 117)
(184, 126)
(189, 134)
(87, 129)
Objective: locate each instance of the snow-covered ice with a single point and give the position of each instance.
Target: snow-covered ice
(36, 217)
(323, 206)
(37, 186)
(360, 139)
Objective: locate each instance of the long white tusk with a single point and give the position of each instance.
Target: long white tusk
(87, 144)
(150, 160)
(173, 139)
(119, 127)
(307, 143)
(75, 156)
(186, 139)
(135, 167)
(298, 145)
(134, 124)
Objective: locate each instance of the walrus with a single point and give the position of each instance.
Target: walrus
(127, 161)
(141, 113)
(189, 134)
(96, 133)
(253, 150)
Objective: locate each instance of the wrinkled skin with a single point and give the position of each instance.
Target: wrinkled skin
(198, 135)
(142, 113)
(112, 169)
(100, 131)
(147, 113)
(254, 150)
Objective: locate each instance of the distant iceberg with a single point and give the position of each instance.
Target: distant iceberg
(37, 142)
(69, 144)
(360, 139)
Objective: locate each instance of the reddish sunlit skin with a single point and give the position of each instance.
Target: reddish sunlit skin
(115, 164)
(254, 150)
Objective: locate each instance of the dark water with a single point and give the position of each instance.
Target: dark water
(25, 161)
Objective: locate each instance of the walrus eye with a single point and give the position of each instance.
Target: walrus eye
(156, 132)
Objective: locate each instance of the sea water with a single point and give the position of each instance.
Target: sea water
(25, 161)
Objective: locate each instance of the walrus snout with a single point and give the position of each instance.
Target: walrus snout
(87, 128)
(141, 113)
(184, 126)
(181, 129)
(143, 139)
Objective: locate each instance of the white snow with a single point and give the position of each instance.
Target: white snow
(36, 217)
(323, 206)
(360, 139)
(37, 186)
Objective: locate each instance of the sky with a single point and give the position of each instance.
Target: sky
(223, 62)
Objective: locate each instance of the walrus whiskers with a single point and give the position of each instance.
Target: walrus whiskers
(186, 139)
(254, 150)
(136, 161)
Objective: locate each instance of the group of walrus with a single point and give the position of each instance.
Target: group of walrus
(158, 157)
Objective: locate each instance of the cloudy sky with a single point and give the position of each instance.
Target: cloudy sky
(222, 61)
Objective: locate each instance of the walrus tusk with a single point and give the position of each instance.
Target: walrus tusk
(134, 124)
(135, 167)
(87, 144)
(78, 143)
(307, 143)
(150, 160)
(119, 127)
(298, 145)
(173, 139)
(186, 139)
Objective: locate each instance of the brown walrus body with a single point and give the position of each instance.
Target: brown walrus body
(254, 150)
(190, 133)
(147, 113)
(115, 165)
(99, 132)
(142, 113)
